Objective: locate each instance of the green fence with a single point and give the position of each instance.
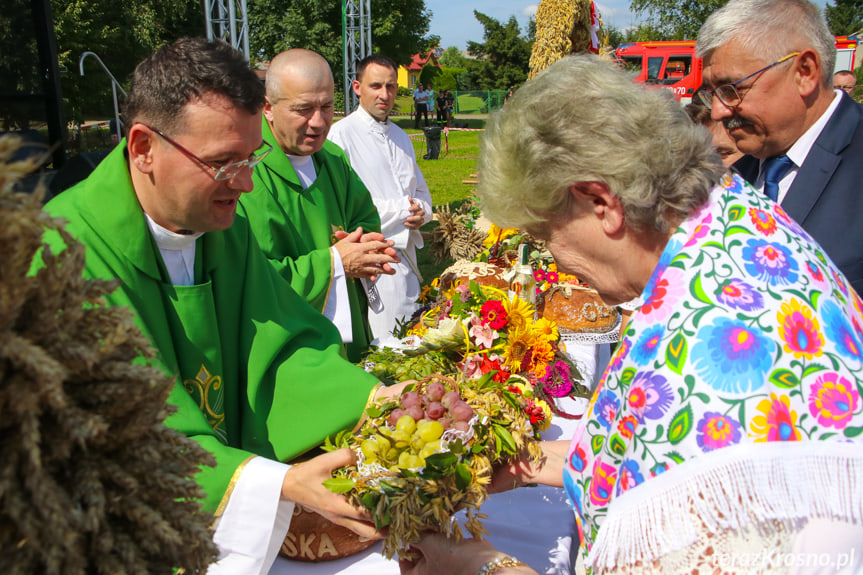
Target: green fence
(478, 101)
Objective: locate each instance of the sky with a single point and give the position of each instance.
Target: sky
(454, 22)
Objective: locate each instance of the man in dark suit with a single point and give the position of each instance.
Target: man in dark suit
(768, 77)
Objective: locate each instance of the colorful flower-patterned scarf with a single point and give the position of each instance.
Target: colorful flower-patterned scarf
(748, 335)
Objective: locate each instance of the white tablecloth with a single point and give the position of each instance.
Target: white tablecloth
(534, 524)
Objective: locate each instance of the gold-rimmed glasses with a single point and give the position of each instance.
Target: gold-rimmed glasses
(728, 93)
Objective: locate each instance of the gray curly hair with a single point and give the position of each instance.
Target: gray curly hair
(583, 119)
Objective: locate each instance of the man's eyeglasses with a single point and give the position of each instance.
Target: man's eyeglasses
(728, 94)
(227, 171)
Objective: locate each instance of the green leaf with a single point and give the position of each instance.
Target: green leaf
(596, 443)
(676, 352)
(339, 484)
(735, 213)
(373, 411)
(784, 378)
(627, 376)
(698, 291)
(441, 461)
(736, 230)
(504, 439)
(813, 368)
(681, 425)
(853, 431)
(462, 476)
(675, 457)
(616, 445)
(369, 499)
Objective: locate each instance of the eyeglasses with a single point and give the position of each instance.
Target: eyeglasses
(849, 87)
(227, 171)
(728, 94)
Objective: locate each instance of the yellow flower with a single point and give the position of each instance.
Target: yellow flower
(552, 267)
(519, 343)
(546, 328)
(496, 234)
(424, 294)
(519, 314)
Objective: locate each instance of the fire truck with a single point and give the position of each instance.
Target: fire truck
(673, 65)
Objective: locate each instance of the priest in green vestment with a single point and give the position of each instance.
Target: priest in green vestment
(310, 212)
(261, 375)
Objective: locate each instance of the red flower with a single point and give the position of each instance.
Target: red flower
(488, 365)
(627, 426)
(539, 275)
(535, 412)
(493, 314)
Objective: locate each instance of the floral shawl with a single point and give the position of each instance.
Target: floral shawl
(748, 335)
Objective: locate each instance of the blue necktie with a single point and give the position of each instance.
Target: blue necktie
(774, 170)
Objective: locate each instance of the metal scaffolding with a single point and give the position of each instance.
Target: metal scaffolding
(228, 20)
(357, 43)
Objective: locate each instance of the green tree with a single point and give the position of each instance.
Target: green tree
(453, 58)
(399, 28)
(503, 59)
(121, 33)
(640, 33)
(676, 19)
(844, 17)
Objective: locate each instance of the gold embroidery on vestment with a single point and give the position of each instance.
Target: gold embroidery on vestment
(212, 407)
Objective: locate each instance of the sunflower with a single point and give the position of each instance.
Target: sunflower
(520, 314)
(518, 345)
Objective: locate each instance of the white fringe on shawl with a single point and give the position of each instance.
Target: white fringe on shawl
(728, 489)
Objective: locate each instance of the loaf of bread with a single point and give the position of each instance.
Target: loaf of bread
(464, 271)
(312, 538)
(576, 309)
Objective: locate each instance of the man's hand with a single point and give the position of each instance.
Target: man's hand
(366, 255)
(303, 484)
(418, 214)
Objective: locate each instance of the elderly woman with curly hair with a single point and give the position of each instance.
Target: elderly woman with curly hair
(725, 435)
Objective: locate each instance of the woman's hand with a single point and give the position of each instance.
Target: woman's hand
(436, 554)
(547, 471)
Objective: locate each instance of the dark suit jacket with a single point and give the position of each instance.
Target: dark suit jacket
(826, 198)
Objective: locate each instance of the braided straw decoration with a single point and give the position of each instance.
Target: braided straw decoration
(91, 481)
(562, 28)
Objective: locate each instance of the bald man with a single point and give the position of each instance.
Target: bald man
(311, 213)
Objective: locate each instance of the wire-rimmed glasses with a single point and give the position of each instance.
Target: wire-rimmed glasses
(227, 171)
(728, 94)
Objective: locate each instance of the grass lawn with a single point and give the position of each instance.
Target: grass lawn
(444, 175)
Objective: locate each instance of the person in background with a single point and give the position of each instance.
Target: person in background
(256, 367)
(450, 107)
(441, 107)
(768, 75)
(846, 81)
(722, 142)
(311, 213)
(728, 419)
(420, 96)
(430, 102)
(383, 156)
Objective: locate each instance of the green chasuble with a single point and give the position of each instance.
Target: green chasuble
(295, 227)
(259, 371)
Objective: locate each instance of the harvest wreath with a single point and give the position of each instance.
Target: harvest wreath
(431, 454)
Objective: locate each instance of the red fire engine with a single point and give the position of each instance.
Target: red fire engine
(673, 65)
